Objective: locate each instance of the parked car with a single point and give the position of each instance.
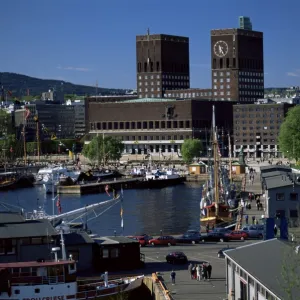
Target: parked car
(221, 252)
(193, 232)
(214, 237)
(237, 235)
(176, 257)
(189, 238)
(166, 240)
(254, 231)
(142, 239)
(221, 230)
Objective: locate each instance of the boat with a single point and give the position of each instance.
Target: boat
(12, 180)
(214, 204)
(57, 280)
(52, 174)
(160, 179)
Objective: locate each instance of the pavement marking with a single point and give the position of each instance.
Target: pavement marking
(154, 259)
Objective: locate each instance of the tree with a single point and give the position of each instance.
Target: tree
(103, 149)
(289, 135)
(190, 148)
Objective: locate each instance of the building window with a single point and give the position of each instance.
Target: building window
(105, 253)
(114, 253)
(293, 213)
(251, 281)
(215, 73)
(269, 296)
(280, 197)
(293, 196)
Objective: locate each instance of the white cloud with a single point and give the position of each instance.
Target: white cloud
(73, 68)
(292, 74)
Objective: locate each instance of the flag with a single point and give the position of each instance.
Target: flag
(11, 150)
(27, 113)
(53, 137)
(9, 93)
(58, 205)
(121, 212)
(219, 152)
(106, 190)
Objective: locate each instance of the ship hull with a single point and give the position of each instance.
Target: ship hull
(159, 183)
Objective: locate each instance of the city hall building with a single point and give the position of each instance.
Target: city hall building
(157, 125)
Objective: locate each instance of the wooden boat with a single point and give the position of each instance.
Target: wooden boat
(217, 212)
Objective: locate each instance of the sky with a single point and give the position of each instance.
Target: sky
(85, 41)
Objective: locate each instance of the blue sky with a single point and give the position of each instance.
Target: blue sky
(83, 41)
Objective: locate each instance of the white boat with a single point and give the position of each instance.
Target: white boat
(52, 174)
(167, 174)
(57, 279)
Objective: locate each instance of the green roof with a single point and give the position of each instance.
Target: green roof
(143, 100)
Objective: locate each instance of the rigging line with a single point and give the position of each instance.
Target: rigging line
(97, 215)
(3, 204)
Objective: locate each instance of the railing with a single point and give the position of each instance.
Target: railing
(33, 280)
(163, 290)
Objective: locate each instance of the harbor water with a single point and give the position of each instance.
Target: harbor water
(170, 210)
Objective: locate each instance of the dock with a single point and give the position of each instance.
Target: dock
(99, 187)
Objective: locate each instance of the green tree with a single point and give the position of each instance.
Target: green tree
(103, 149)
(289, 135)
(190, 148)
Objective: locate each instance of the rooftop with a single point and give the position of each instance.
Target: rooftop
(18, 227)
(273, 168)
(77, 238)
(142, 100)
(278, 181)
(109, 240)
(34, 264)
(257, 261)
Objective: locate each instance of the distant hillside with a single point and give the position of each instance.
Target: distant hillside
(19, 85)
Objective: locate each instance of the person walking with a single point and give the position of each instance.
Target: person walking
(246, 219)
(209, 269)
(207, 228)
(173, 276)
(198, 270)
(190, 269)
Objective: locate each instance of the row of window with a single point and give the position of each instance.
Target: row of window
(150, 96)
(251, 87)
(257, 134)
(215, 74)
(189, 95)
(146, 90)
(292, 197)
(257, 74)
(254, 80)
(257, 108)
(257, 128)
(266, 121)
(164, 77)
(251, 93)
(140, 125)
(155, 138)
(221, 86)
(221, 80)
(253, 141)
(264, 115)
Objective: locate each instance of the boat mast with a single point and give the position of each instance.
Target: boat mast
(24, 142)
(216, 164)
(230, 158)
(38, 137)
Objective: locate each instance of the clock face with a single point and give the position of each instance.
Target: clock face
(221, 48)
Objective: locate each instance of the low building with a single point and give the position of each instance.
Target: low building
(256, 128)
(81, 246)
(118, 253)
(111, 98)
(189, 94)
(158, 126)
(198, 168)
(25, 240)
(256, 271)
(282, 194)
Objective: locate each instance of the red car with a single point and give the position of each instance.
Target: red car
(237, 235)
(165, 240)
(142, 239)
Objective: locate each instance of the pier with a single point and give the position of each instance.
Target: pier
(99, 187)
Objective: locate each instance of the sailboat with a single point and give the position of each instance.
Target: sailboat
(214, 203)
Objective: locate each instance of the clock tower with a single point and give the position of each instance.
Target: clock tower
(237, 65)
